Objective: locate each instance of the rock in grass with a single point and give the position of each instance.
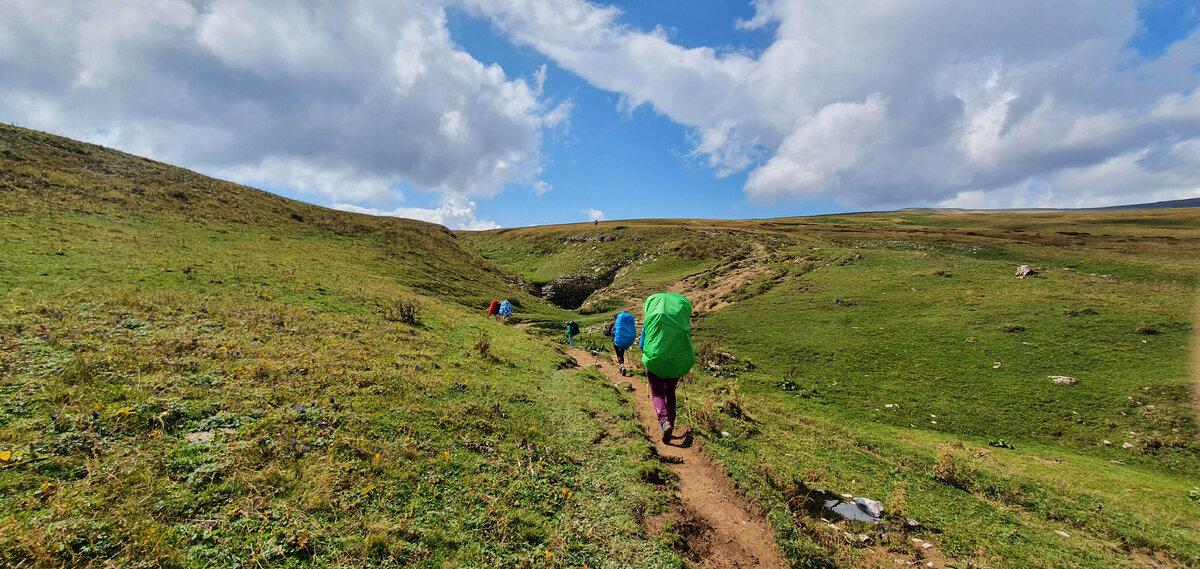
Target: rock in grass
(1062, 533)
(1063, 380)
(857, 509)
(202, 437)
(1025, 271)
(873, 507)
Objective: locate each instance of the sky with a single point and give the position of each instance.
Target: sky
(486, 113)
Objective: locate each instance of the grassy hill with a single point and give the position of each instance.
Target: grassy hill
(195, 373)
(896, 355)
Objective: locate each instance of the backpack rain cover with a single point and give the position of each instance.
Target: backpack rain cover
(667, 331)
(624, 330)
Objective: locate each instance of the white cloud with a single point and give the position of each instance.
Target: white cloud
(456, 212)
(593, 214)
(904, 102)
(342, 101)
(540, 187)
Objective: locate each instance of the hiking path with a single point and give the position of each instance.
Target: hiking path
(723, 530)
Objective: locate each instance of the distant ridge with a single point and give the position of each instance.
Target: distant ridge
(1169, 204)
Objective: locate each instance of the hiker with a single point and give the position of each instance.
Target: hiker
(572, 331)
(667, 352)
(622, 329)
(505, 310)
(493, 308)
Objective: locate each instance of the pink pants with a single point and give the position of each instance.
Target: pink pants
(662, 393)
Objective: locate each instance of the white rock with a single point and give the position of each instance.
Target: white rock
(1062, 533)
(926, 545)
(1126, 445)
(873, 507)
(1063, 379)
(1107, 442)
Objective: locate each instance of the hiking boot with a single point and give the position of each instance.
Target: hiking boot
(622, 370)
(666, 429)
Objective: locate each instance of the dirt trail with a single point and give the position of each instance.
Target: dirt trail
(722, 529)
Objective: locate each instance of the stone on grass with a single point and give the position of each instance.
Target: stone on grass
(873, 507)
(1025, 271)
(856, 509)
(1062, 533)
(1063, 379)
(201, 437)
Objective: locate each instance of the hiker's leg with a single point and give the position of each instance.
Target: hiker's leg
(620, 355)
(670, 385)
(658, 394)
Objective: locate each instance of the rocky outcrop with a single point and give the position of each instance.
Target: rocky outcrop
(572, 290)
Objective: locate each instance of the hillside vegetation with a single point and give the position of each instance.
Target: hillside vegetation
(194, 373)
(897, 356)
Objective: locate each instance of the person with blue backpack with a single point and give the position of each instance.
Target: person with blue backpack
(506, 309)
(667, 352)
(623, 330)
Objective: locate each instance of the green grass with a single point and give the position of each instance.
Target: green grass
(220, 386)
(922, 329)
(914, 310)
(194, 373)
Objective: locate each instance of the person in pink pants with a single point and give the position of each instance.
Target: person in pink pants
(662, 393)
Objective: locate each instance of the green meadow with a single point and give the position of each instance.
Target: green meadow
(195, 374)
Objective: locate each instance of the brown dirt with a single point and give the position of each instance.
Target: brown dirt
(721, 528)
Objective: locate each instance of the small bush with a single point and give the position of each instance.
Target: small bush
(483, 346)
(706, 420)
(1147, 330)
(950, 471)
(404, 311)
(1012, 328)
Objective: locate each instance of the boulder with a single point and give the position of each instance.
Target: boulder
(1063, 380)
(1025, 271)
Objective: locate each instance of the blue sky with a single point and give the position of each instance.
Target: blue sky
(438, 110)
(628, 164)
(635, 164)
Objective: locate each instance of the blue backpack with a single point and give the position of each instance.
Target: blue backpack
(624, 330)
(505, 309)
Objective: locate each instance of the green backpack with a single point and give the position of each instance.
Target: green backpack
(667, 335)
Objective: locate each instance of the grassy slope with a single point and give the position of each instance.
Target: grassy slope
(908, 309)
(141, 304)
